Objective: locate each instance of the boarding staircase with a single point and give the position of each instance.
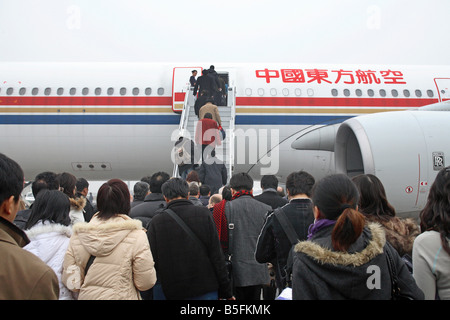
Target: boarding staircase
(189, 120)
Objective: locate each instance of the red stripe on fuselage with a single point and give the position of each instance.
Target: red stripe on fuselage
(336, 102)
(85, 101)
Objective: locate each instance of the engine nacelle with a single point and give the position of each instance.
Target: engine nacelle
(404, 149)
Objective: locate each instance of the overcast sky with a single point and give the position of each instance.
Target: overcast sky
(211, 31)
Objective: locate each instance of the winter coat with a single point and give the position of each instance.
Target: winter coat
(76, 213)
(210, 108)
(22, 274)
(147, 210)
(123, 263)
(49, 241)
(270, 197)
(184, 269)
(319, 272)
(273, 243)
(400, 233)
(248, 216)
(207, 133)
(213, 174)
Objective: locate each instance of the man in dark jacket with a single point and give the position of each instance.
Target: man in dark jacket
(269, 185)
(273, 243)
(213, 173)
(153, 202)
(205, 83)
(22, 275)
(186, 271)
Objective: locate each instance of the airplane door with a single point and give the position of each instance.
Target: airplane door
(180, 85)
(443, 87)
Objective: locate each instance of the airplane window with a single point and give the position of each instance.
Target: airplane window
(370, 92)
(310, 92)
(286, 91)
(22, 91)
(298, 92)
(85, 91)
(9, 91)
(47, 91)
(418, 93)
(273, 92)
(123, 91)
(248, 92)
(110, 91)
(260, 92)
(382, 92)
(73, 91)
(98, 91)
(148, 91)
(34, 91)
(135, 91)
(430, 93)
(160, 91)
(406, 93)
(394, 93)
(60, 91)
(358, 92)
(334, 92)
(346, 92)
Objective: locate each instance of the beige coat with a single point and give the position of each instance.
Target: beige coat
(210, 108)
(123, 265)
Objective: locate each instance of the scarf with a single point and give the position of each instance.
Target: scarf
(221, 224)
(317, 225)
(242, 193)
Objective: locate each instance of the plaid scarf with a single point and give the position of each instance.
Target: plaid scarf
(242, 193)
(221, 224)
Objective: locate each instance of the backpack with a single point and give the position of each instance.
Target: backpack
(182, 155)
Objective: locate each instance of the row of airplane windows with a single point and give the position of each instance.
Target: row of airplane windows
(160, 91)
(84, 91)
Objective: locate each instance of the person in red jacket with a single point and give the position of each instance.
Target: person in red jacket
(207, 134)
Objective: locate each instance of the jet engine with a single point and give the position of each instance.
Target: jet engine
(404, 149)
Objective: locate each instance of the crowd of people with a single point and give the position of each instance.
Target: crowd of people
(336, 238)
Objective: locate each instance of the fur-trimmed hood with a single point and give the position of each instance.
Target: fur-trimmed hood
(100, 237)
(325, 255)
(77, 203)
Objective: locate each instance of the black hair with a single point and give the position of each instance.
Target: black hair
(157, 180)
(207, 115)
(436, 213)
(372, 197)
(269, 181)
(81, 184)
(241, 181)
(204, 190)
(44, 180)
(67, 183)
(50, 205)
(194, 189)
(226, 193)
(11, 179)
(337, 197)
(174, 188)
(300, 182)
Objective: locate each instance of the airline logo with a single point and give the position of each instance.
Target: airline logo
(332, 76)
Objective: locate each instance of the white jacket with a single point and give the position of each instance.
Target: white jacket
(49, 241)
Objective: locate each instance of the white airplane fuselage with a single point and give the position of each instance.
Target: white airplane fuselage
(116, 120)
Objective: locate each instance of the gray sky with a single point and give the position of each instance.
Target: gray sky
(209, 31)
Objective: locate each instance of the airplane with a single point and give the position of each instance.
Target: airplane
(105, 120)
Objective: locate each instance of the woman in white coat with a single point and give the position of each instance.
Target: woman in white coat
(49, 230)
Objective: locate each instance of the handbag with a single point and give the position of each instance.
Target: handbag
(396, 293)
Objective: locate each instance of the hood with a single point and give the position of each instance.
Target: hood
(344, 274)
(100, 237)
(373, 236)
(77, 203)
